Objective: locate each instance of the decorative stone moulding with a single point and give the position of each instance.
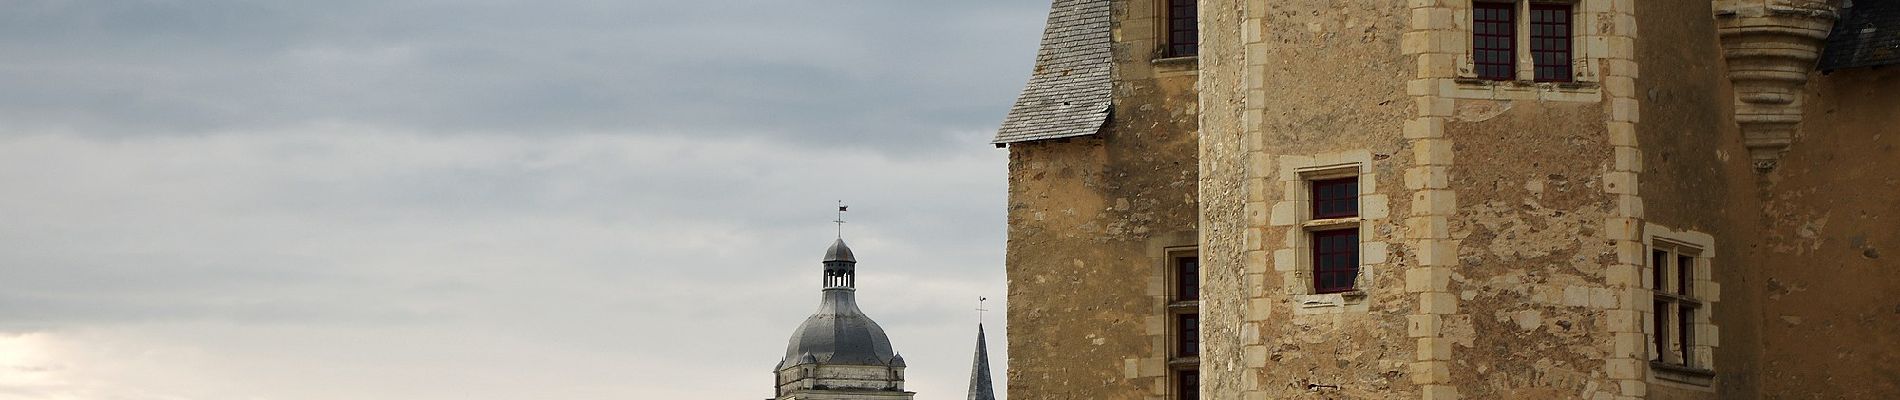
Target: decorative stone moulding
(1771, 47)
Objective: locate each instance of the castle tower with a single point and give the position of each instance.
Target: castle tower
(839, 353)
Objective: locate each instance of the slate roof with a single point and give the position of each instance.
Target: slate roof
(1867, 35)
(980, 388)
(1068, 94)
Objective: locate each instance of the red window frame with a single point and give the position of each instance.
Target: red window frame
(1550, 25)
(1336, 198)
(1183, 29)
(1335, 260)
(1494, 40)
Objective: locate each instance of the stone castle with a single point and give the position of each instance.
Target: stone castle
(1445, 199)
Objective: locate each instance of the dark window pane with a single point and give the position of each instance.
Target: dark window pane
(1335, 260)
(1550, 40)
(1183, 28)
(1685, 334)
(1685, 276)
(1661, 329)
(1187, 278)
(1188, 335)
(1188, 385)
(1336, 198)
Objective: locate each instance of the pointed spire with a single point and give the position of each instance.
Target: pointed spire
(980, 370)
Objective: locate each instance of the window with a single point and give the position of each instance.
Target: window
(1550, 41)
(1500, 28)
(1188, 385)
(1335, 260)
(1335, 248)
(1184, 316)
(1673, 275)
(1182, 30)
(1493, 41)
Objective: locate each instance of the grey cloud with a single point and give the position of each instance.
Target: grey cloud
(895, 75)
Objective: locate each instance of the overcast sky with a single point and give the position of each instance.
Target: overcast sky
(490, 199)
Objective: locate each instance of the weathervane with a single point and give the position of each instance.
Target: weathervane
(979, 309)
(840, 220)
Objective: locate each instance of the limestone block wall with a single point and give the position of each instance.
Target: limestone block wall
(1093, 222)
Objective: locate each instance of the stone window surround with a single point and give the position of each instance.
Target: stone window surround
(1175, 309)
(1707, 336)
(1292, 214)
(1585, 47)
(1151, 369)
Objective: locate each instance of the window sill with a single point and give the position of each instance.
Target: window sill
(1682, 374)
(1179, 363)
(1330, 303)
(1332, 223)
(1189, 65)
(1486, 89)
(1185, 306)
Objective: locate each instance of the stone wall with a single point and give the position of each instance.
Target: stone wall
(1091, 221)
(1831, 245)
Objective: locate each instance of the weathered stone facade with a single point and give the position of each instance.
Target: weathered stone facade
(1510, 231)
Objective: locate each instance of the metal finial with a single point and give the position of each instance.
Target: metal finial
(840, 220)
(980, 309)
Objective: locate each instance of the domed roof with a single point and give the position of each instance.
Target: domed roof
(839, 252)
(839, 333)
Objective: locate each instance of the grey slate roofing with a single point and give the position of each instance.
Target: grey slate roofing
(839, 252)
(980, 388)
(1867, 35)
(839, 333)
(1068, 94)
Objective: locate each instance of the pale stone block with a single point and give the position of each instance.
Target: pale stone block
(1576, 296)
(1602, 298)
(1253, 355)
(1423, 326)
(1708, 335)
(1710, 291)
(1621, 67)
(1283, 214)
(1131, 368)
(1434, 349)
(1620, 86)
(1629, 159)
(1432, 151)
(1625, 109)
(1372, 253)
(1620, 183)
(1422, 87)
(1440, 392)
(1634, 388)
(1374, 207)
(1435, 106)
(1431, 18)
(1259, 164)
(1256, 261)
(1629, 345)
(1437, 253)
(1253, 239)
(1621, 133)
(1368, 182)
(1437, 65)
(1623, 275)
(1416, 42)
(1428, 177)
(1427, 227)
(1422, 3)
(1260, 309)
(1437, 303)
(1434, 202)
(1429, 372)
(1629, 206)
(1284, 260)
(1624, 368)
(1424, 128)
(1631, 252)
(1620, 228)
